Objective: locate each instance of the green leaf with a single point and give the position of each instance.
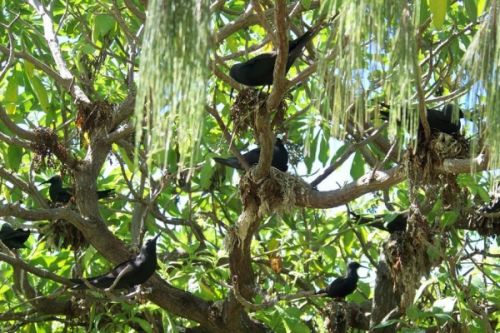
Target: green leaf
(471, 9)
(481, 4)
(40, 92)
(15, 156)
(143, 323)
(330, 252)
(424, 12)
(273, 244)
(206, 173)
(438, 10)
(323, 150)
(357, 166)
(10, 96)
(103, 24)
(306, 4)
(448, 218)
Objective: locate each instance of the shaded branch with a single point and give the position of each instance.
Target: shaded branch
(44, 214)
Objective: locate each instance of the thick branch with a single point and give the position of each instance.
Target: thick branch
(44, 214)
(380, 180)
(28, 135)
(265, 135)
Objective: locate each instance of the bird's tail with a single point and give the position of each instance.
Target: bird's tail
(231, 162)
(295, 46)
(105, 193)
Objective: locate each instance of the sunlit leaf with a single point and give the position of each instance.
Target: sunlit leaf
(438, 9)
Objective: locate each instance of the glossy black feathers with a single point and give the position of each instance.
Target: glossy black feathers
(258, 71)
(13, 238)
(439, 120)
(135, 271)
(61, 194)
(343, 286)
(280, 158)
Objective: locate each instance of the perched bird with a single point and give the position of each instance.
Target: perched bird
(442, 121)
(13, 239)
(258, 71)
(439, 121)
(398, 222)
(343, 286)
(128, 274)
(280, 157)
(58, 193)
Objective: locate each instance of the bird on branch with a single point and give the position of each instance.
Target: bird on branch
(13, 239)
(61, 194)
(343, 286)
(258, 71)
(126, 275)
(439, 121)
(280, 157)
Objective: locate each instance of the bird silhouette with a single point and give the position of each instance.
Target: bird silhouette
(128, 274)
(439, 120)
(13, 239)
(280, 157)
(442, 121)
(58, 193)
(343, 286)
(258, 71)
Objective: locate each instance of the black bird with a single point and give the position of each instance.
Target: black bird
(280, 157)
(58, 193)
(491, 207)
(129, 273)
(13, 239)
(439, 121)
(343, 286)
(258, 71)
(442, 121)
(397, 224)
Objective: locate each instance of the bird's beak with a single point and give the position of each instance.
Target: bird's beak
(45, 182)
(364, 266)
(156, 237)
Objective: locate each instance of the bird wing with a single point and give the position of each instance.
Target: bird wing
(257, 59)
(252, 156)
(231, 162)
(105, 193)
(104, 280)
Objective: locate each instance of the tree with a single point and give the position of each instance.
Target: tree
(246, 253)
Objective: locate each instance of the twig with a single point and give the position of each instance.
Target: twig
(34, 270)
(228, 137)
(267, 304)
(342, 158)
(10, 58)
(53, 44)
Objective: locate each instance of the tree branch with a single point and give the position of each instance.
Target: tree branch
(381, 180)
(53, 44)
